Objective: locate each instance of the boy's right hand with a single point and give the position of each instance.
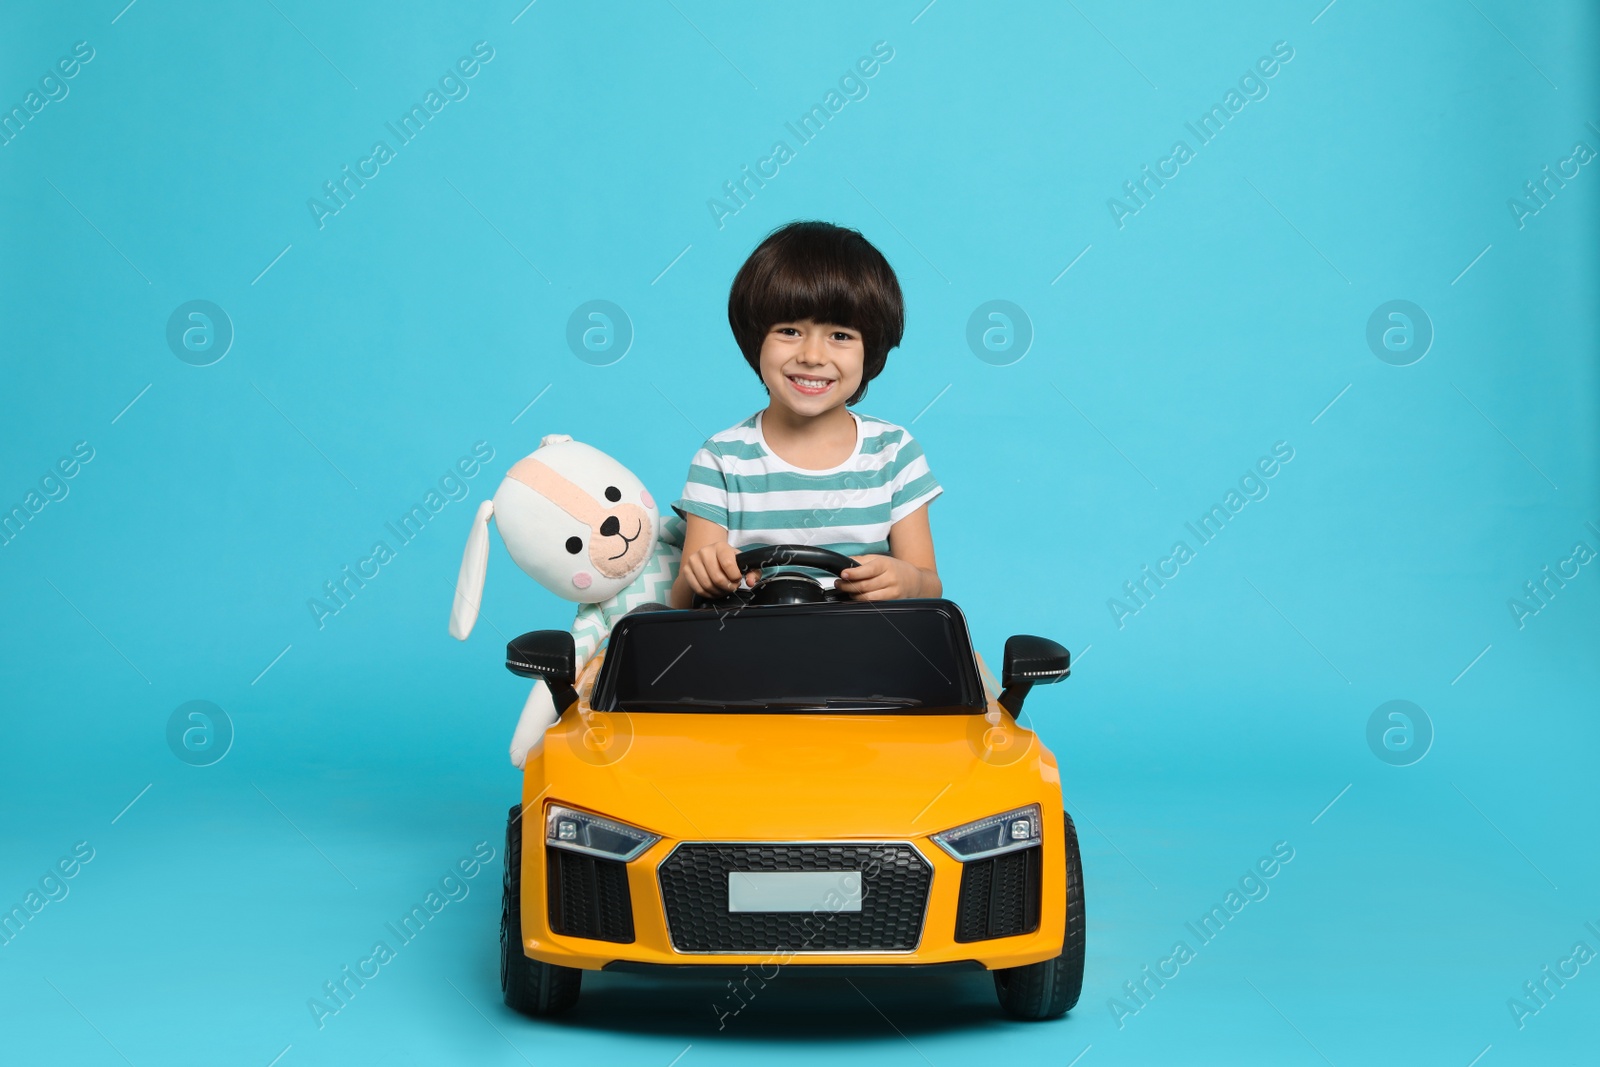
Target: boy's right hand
(712, 570)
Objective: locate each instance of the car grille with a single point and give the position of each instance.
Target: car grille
(894, 894)
(999, 896)
(588, 896)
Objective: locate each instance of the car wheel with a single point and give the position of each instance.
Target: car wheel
(1049, 989)
(531, 987)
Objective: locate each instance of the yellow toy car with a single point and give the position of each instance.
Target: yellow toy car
(788, 778)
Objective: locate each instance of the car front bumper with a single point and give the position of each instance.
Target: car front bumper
(702, 935)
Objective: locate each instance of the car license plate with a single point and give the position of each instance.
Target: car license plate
(823, 891)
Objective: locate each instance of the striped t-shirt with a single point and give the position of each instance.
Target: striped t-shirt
(740, 484)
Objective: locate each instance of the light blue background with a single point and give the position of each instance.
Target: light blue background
(425, 316)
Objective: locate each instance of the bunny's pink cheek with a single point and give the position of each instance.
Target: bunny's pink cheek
(649, 501)
(582, 580)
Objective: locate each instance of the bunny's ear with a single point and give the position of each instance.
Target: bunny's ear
(474, 566)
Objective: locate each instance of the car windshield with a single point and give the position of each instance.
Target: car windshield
(905, 657)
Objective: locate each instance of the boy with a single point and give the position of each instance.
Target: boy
(815, 310)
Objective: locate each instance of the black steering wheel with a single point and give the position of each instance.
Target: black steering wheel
(782, 588)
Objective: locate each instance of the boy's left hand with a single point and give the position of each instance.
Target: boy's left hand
(881, 578)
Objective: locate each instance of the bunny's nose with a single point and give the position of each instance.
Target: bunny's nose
(610, 527)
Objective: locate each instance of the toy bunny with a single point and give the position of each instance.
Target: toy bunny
(584, 527)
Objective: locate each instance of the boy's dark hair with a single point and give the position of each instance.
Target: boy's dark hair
(822, 272)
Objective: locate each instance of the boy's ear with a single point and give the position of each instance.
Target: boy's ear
(474, 568)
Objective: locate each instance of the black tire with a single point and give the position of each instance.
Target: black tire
(1049, 989)
(530, 987)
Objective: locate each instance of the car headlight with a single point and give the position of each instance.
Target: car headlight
(1006, 832)
(579, 831)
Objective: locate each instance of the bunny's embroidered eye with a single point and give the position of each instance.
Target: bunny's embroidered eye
(574, 545)
(613, 494)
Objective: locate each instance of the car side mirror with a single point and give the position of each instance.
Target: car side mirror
(1030, 661)
(547, 656)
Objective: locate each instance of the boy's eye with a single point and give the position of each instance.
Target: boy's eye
(574, 545)
(613, 494)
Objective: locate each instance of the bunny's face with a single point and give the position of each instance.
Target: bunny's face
(577, 521)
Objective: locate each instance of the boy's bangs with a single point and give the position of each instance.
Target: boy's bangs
(821, 292)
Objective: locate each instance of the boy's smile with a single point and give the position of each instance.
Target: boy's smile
(811, 386)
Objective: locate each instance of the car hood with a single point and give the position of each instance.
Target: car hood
(758, 776)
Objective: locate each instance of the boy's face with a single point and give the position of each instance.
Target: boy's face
(812, 367)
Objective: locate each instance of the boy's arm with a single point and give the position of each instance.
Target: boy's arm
(908, 570)
(708, 562)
